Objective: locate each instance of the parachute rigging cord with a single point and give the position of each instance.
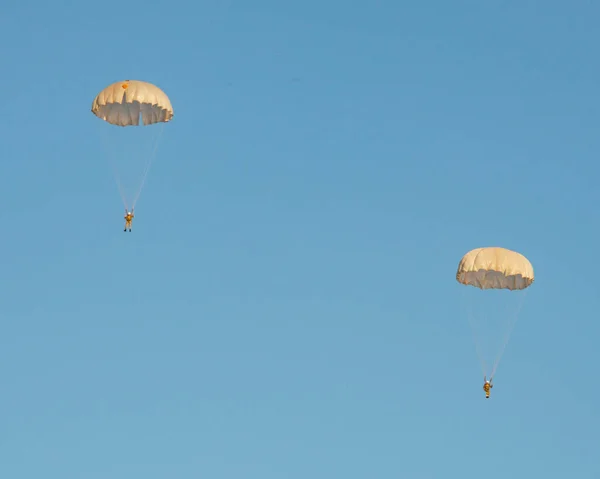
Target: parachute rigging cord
(509, 331)
(147, 166)
(477, 339)
(113, 165)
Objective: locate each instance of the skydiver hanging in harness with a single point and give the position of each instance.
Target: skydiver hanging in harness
(487, 386)
(128, 218)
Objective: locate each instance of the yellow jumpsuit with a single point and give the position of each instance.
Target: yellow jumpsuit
(128, 217)
(487, 386)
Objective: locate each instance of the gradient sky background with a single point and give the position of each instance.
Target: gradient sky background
(285, 306)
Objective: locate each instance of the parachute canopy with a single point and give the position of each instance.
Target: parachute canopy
(495, 268)
(122, 104)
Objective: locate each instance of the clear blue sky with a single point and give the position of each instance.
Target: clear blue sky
(285, 306)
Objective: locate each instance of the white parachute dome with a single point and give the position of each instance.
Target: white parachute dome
(123, 103)
(495, 268)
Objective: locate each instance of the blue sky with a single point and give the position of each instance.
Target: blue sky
(285, 306)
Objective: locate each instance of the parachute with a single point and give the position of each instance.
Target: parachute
(495, 269)
(123, 104)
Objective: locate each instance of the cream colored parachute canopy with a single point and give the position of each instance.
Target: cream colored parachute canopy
(122, 104)
(495, 268)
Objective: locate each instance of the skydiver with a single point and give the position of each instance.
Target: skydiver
(487, 386)
(128, 218)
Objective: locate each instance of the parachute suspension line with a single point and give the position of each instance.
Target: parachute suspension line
(509, 331)
(474, 330)
(147, 166)
(119, 185)
(477, 344)
(113, 165)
